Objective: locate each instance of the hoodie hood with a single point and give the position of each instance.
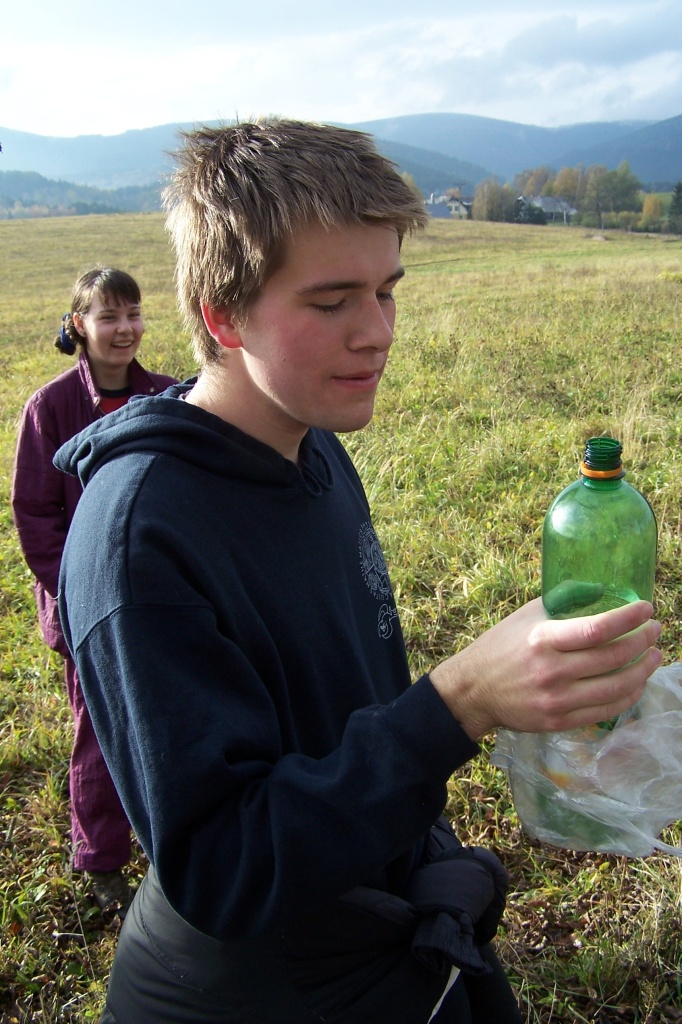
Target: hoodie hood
(167, 425)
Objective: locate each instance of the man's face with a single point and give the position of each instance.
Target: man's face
(315, 342)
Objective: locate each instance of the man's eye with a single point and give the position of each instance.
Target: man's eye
(385, 296)
(333, 307)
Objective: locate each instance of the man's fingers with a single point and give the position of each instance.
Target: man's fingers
(598, 696)
(625, 649)
(592, 631)
(609, 696)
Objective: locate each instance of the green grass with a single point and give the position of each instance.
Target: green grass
(514, 344)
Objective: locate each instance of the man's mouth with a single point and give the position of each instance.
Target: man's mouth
(362, 375)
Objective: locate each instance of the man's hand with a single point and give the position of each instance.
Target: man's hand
(535, 674)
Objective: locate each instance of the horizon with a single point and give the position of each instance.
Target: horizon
(394, 117)
(437, 149)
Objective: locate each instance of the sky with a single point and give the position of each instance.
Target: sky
(93, 68)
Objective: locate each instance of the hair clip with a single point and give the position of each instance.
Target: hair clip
(66, 344)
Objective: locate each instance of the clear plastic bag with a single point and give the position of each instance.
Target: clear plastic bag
(599, 790)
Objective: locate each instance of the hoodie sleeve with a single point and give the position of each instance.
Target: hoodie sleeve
(242, 835)
(38, 498)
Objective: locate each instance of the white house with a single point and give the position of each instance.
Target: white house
(448, 206)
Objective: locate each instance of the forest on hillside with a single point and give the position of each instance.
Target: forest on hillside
(29, 194)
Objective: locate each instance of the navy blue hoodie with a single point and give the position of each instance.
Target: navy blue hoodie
(236, 635)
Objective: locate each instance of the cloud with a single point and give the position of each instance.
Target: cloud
(550, 73)
(599, 42)
(605, 60)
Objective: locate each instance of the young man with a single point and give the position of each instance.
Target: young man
(241, 652)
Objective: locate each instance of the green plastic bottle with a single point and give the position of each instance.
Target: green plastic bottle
(599, 542)
(599, 539)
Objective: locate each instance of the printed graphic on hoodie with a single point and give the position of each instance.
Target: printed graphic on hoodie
(375, 575)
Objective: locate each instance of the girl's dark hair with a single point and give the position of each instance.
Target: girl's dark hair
(107, 282)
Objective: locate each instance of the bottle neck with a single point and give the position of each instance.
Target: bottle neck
(604, 477)
(600, 484)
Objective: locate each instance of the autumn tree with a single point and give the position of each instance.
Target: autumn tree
(675, 211)
(652, 213)
(596, 192)
(533, 182)
(493, 201)
(624, 189)
(569, 185)
(411, 183)
(520, 182)
(611, 191)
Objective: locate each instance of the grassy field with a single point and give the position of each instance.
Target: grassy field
(514, 344)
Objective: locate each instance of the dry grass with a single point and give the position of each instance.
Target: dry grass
(513, 345)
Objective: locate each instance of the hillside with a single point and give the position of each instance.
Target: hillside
(126, 171)
(506, 147)
(104, 161)
(27, 193)
(654, 152)
(434, 172)
(141, 157)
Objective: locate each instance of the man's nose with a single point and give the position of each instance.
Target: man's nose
(374, 328)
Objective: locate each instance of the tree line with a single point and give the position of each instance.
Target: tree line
(600, 197)
(26, 194)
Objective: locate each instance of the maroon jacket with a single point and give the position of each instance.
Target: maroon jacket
(43, 498)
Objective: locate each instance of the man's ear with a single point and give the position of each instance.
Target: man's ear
(222, 325)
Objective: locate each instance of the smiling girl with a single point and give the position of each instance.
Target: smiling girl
(105, 324)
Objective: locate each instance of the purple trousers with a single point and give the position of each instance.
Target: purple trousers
(100, 832)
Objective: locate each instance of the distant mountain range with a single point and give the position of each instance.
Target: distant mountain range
(439, 150)
(652, 148)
